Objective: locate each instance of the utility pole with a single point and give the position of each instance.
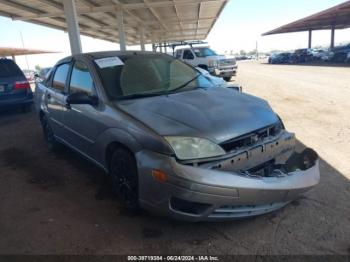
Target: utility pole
(256, 51)
(20, 32)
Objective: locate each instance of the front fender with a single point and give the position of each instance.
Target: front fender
(112, 135)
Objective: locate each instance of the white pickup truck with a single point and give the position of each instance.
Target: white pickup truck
(206, 58)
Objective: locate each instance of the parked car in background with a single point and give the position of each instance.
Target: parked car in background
(14, 87)
(348, 58)
(241, 57)
(29, 74)
(280, 58)
(323, 55)
(206, 58)
(302, 56)
(219, 82)
(340, 53)
(42, 74)
(172, 141)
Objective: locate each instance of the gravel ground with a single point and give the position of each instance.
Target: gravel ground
(60, 203)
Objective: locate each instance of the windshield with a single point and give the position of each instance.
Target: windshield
(204, 52)
(8, 68)
(147, 74)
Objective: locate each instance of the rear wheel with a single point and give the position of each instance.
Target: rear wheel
(49, 136)
(227, 78)
(123, 171)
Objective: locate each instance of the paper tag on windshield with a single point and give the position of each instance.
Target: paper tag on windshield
(109, 62)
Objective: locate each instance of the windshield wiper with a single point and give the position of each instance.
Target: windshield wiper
(185, 84)
(133, 96)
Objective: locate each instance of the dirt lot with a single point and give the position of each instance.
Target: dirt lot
(59, 203)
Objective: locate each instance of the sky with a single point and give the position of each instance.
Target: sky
(239, 28)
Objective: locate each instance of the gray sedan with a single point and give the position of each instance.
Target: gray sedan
(173, 142)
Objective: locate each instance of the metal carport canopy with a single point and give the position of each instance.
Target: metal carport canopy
(337, 17)
(127, 22)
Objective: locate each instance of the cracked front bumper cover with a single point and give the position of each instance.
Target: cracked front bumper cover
(211, 195)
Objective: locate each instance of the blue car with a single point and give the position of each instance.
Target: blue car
(15, 90)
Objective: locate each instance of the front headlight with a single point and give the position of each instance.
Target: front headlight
(193, 148)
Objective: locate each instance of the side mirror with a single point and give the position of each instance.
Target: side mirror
(82, 98)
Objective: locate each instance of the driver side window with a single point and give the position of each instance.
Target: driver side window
(188, 55)
(81, 80)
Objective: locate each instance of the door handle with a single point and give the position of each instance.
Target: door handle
(48, 96)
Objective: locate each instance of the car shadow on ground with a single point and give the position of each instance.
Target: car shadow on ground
(66, 205)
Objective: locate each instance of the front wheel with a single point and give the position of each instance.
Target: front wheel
(123, 171)
(227, 78)
(49, 136)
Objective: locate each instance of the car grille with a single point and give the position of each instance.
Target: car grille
(227, 62)
(251, 138)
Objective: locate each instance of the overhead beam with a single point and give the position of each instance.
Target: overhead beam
(184, 30)
(155, 14)
(169, 3)
(177, 15)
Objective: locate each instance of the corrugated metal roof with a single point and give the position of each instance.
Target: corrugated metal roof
(163, 20)
(337, 16)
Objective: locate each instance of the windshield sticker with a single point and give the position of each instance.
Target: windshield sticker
(109, 62)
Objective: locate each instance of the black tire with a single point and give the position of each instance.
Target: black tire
(51, 142)
(123, 171)
(227, 78)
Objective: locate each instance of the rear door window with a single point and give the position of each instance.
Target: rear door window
(81, 80)
(8, 68)
(60, 77)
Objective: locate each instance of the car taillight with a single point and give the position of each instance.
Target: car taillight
(22, 85)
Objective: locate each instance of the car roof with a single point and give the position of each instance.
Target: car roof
(5, 59)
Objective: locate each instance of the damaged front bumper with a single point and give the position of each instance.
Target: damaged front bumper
(212, 191)
(224, 71)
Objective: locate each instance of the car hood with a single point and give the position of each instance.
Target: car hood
(218, 114)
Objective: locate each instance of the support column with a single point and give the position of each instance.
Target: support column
(160, 46)
(165, 48)
(14, 58)
(332, 36)
(142, 38)
(310, 39)
(73, 26)
(120, 20)
(153, 44)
